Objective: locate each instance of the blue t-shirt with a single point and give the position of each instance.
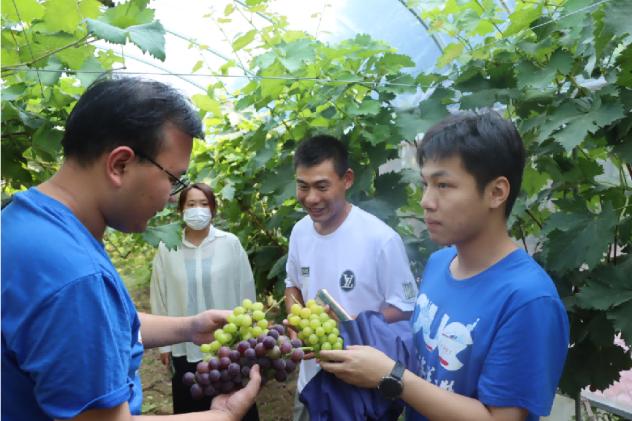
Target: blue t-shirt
(70, 332)
(500, 336)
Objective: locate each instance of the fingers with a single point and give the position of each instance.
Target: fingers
(220, 316)
(334, 356)
(330, 366)
(235, 405)
(288, 326)
(252, 388)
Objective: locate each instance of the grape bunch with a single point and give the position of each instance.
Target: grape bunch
(245, 340)
(315, 328)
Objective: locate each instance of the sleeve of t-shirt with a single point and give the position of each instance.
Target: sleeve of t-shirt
(526, 358)
(78, 349)
(291, 268)
(394, 275)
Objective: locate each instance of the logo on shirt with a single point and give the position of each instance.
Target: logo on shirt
(449, 339)
(410, 290)
(347, 280)
(305, 271)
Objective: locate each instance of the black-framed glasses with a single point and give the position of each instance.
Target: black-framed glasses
(177, 184)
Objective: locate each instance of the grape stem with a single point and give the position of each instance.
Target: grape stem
(276, 304)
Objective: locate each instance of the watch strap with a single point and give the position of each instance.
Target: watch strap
(398, 371)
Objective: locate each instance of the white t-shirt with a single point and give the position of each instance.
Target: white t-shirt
(363, 265)
(216, 274)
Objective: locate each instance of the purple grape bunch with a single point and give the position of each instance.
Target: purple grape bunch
(229, 369)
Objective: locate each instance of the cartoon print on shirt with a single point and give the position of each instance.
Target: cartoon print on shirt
(450, 338)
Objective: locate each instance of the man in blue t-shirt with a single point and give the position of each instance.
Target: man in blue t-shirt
(72, 340)
(490, 329)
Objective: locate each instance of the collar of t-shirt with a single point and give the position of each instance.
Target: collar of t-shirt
(335, 232)
(213, 233)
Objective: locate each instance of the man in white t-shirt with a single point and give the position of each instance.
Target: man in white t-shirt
(359, 259)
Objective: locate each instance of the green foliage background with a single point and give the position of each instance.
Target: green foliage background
(562, 70)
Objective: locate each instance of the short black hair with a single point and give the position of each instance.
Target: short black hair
(488, 145)
(126, 111)
(317, 149)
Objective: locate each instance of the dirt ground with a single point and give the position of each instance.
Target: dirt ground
(274, 401)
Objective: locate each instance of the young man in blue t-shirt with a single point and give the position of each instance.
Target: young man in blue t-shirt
(72, 340)
(490, 329)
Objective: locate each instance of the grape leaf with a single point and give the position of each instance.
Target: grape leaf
(61, 15)
(624, 78)
(47, 141)
(577, 129)
(28, 10)
(367, 107)
(169, 234)
(601, 296)
(522, 18)
(90, 71)
(617, 15)
(529, 75)
(294, 54)
(107, 32)
(278, 268)
(585, 243)
(450, 53)
(206, 103)
(128, 14)
(244, 40)
(622, 320)
(150, 38)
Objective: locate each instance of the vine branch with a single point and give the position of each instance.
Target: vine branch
(54, 51)
(532, 216)
(426, 27)
(492, 21)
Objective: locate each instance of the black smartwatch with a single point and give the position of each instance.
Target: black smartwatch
(391, 385)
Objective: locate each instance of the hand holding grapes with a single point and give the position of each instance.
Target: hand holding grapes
(236, 404)
(204, 324)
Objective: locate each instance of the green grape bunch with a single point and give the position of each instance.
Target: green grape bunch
(315, 327)
(247, 321)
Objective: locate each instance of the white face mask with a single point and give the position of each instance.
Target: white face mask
(197, 218)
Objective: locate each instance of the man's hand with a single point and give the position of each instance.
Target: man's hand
(165, 358)
(237, 404)
(361, 366)
(204, 324)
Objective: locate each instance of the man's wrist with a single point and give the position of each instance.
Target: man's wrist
(221, 415)
(391, 385)
(189, 327)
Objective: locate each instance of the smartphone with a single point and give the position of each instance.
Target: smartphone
(326, 299)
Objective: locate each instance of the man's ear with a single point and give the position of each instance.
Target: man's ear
(498, 189)
(348, 178)
(117, 162)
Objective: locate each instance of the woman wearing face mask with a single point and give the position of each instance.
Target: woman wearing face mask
(209, 270)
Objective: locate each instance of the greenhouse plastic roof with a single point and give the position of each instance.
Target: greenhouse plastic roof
(329, 21)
